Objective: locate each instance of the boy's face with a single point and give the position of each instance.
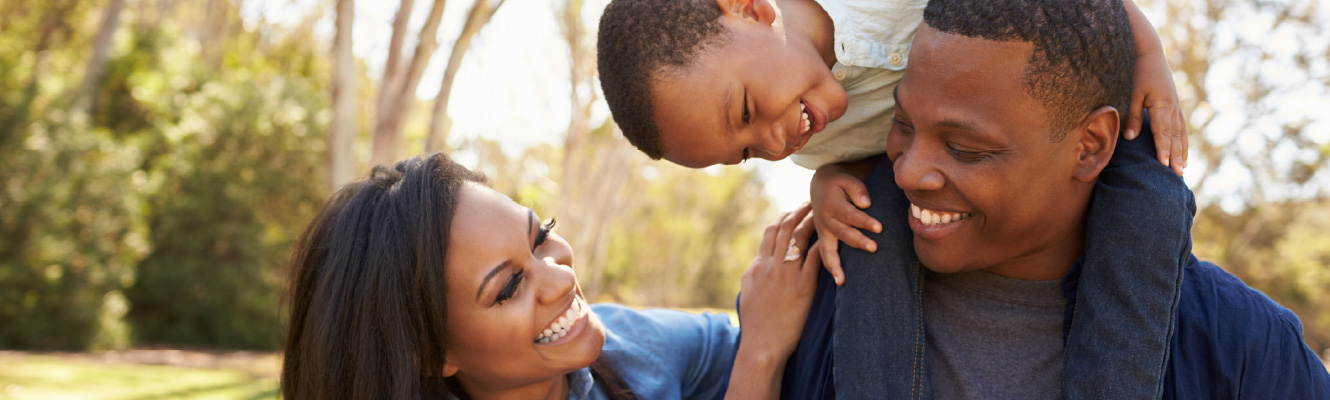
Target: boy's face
(751, 96)
(970, 145)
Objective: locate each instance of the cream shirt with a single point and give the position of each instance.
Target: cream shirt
(872, 49)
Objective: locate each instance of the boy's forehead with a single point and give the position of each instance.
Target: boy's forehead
(696, 116)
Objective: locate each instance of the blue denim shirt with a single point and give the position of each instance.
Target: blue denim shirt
(662, 354)
(1230, 342)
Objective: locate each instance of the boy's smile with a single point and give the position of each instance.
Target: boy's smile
(762, 93)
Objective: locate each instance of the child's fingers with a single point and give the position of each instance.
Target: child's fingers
(1168, 136)
(1178, 152)
(1182, 128)
(856, 191)
(827, 247)
(1135, 115)
(850, 235)
(813, 262)
(856, 218)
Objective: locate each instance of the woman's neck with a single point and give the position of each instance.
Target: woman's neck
(553, 389)
(807, 19)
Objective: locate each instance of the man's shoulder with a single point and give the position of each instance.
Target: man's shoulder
(1231, 340)
(1219, 299)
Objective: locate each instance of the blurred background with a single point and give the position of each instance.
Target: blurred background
(159, 157)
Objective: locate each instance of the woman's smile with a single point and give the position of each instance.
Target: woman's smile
(566, 326)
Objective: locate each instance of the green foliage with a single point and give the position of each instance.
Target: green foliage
(172, 205)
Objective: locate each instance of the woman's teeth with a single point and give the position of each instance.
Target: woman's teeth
(803, 116)
(930, 217)
(559, 327)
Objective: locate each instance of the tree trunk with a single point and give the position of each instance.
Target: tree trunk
(389, 128)
(101, 50)
(480, 14)
(342, 133)
(392, 70)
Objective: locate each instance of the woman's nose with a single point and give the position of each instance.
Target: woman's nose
(557, 281)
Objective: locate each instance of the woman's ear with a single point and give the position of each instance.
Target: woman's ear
(1098, 138)
(449, 368)
(762, 11)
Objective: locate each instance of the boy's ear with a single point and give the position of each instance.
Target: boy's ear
(1098, 138)
(755, 10)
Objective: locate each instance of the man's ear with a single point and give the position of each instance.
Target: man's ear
(755, 10)
(1098, 138)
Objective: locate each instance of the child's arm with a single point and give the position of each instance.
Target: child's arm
(839, 196)
(1153, 89)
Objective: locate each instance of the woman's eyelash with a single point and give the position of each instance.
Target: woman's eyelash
(509, 290)
(544, 232)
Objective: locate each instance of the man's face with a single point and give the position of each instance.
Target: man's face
(759, 95)
(973, 152)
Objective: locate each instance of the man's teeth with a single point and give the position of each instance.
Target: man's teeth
(559, 327)
(930, 217)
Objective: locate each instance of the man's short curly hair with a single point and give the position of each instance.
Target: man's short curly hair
(638, 41)
(1083, 58)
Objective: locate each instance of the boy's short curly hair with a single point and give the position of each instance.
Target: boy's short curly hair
(638, 41)
(1084, 55)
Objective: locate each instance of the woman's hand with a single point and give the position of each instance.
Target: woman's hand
(776, 292)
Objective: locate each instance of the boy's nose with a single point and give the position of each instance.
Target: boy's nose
(773, 140)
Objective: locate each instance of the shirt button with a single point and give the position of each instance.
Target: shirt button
(896, 59)
(840, 75)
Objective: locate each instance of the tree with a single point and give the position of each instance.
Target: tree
(397, 94)
(345, 93)
(479, 15)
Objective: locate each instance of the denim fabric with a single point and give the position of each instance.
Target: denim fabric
(879, 332)
(1138, 237)
(813, 350)
(1231, 342)
(663, 354)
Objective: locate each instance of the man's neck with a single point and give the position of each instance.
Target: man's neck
(807, 20)
(1049, 262)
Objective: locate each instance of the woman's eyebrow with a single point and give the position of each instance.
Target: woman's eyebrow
(502, 266)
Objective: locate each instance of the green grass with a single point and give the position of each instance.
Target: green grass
(31, 376)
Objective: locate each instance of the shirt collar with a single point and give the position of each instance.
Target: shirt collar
(580, 383)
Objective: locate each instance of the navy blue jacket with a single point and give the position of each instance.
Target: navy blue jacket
(1231, 342)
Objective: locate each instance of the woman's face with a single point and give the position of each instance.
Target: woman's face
(516, 315)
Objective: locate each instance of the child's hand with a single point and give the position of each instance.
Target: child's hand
(1153, 89)
(778, 288)
(838, 197)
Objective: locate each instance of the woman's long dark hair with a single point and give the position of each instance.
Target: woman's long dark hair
(367, 291)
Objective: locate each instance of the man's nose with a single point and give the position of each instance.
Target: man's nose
(918, 170)
(772, 140)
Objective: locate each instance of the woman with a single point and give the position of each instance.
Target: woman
(421, 282)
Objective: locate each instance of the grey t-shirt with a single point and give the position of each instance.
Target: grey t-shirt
(992, 337)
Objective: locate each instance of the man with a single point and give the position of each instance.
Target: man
(1004, 122)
